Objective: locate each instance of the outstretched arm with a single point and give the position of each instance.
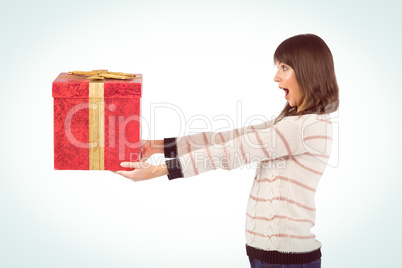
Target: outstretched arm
(179, 146)
(174, 147)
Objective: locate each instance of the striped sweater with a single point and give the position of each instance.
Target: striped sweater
(291, 157)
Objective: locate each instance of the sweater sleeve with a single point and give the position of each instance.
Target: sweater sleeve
(281, 140)
(174, 147)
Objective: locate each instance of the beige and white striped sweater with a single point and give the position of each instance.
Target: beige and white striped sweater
(291, 157)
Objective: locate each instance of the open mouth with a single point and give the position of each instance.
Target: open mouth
(286, 92)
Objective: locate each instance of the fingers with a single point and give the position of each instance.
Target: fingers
(141, 164)
(128, 164)
(141, 170)
(143, 157)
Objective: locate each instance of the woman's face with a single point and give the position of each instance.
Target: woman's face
(286, 78)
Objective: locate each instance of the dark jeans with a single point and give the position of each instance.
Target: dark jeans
(260, 264)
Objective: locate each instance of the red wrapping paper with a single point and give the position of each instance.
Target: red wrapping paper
(122, 102)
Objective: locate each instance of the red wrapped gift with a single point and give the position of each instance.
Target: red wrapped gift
(96, 121)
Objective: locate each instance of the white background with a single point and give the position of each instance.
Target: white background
(205, 58)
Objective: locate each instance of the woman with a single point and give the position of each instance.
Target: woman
(292, 152)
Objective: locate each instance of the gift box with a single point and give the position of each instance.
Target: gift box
(96, 121)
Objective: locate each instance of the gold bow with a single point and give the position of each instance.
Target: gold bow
(102, 74)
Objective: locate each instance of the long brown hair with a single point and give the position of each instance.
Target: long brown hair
(312, 62)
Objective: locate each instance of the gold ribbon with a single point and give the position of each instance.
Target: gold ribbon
(96, 125)
(102, 74)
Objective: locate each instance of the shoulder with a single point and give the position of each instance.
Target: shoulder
(303, 120)
(310, 132)
(304, 124)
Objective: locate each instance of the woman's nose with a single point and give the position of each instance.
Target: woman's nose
(276, 77)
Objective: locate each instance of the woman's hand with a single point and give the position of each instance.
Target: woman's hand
(142, 171)
(150, 147)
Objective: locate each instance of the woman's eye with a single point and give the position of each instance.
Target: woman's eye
(284, 67)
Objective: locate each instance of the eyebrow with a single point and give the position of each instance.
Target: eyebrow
(278, 63)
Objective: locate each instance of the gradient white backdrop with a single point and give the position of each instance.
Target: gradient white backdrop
(204, 58)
